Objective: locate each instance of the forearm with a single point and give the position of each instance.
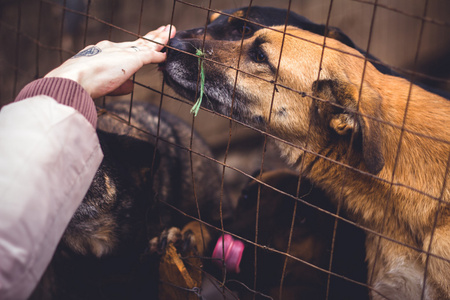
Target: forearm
(48, 156)
(64, 91)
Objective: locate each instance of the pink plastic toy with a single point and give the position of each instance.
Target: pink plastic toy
(233, 253)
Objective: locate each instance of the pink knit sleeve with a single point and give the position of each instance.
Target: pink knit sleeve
(64, 91)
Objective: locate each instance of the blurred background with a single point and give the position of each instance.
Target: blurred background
(37, 35)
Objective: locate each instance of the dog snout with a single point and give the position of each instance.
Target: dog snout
(184, 48)
(183, 45)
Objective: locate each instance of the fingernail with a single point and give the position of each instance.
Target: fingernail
(167, 27)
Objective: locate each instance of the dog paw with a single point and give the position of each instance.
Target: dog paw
(170, 236)
(184, 241)
(197, 238)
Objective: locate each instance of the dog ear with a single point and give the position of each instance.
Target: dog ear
(345, 115)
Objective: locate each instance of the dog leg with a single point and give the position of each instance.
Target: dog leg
(401, 281)
(395, 275)
(179, 268)
(439, 269)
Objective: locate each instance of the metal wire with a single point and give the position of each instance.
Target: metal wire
(401, 12)
(287, 194)
(191, 140)
(225, 166)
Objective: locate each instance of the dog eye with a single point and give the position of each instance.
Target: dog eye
(260, 56)
(257, 54)
(245, 30)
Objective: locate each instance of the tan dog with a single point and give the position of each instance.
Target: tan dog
(376, 142)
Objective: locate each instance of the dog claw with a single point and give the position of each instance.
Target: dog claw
(183, 242)
(188, 241)
(153, 245)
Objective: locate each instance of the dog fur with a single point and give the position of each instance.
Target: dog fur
(378, 143)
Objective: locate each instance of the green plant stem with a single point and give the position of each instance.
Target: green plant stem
(196, 107)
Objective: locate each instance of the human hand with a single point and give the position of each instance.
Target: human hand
(106, 68)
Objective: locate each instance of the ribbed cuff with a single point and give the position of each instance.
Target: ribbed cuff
(64, 91)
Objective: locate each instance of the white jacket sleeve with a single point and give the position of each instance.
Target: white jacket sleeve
(49, 154)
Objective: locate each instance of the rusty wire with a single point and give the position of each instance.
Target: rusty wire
(390, 191)
(413, 73)
(103, 111)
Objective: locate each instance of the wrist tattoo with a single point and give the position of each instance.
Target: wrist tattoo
(94, 50)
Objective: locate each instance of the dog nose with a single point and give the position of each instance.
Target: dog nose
(182, 44)
(181, 50)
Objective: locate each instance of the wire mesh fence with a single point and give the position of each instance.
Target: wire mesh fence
(305, 231)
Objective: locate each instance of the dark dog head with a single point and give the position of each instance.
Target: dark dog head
(231, 25)
(239, 81)
(243, 23)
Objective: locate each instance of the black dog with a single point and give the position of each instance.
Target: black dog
(104, 252)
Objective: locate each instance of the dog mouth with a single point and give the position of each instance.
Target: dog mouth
(180, 84)
(220, 93)
(181, 72)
